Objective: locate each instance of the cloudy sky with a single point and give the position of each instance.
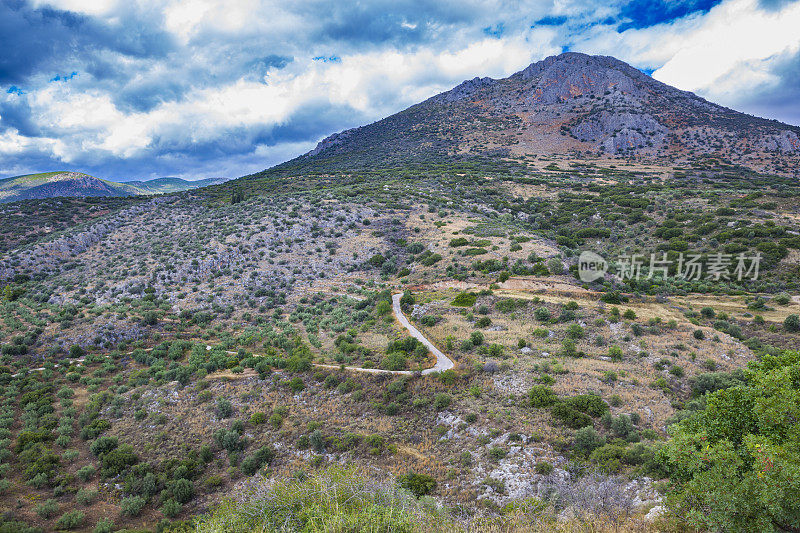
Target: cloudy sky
(134, 89)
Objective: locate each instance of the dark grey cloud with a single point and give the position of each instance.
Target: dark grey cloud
(781, 99)
(37, 40)
(176, 86)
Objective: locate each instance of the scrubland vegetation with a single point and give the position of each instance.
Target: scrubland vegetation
(178, 363)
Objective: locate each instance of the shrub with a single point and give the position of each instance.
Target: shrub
(542, 314)
(253, 463)
(575, 331)
(171, 508)
(464, 299)
(735, 462)
(104, 525)
(476, 338)
(132, 505)
(103, 445)
(86, 473)
(591, 404)
(395, 361)
(85, 496)
(47, 509)
(587, 439)
(224, 408)
(71, 520)
(699, 335)
(615, 352)
(117, 460)
(570, 417)
(276, 420)
(442, 401)
(543, 468)
(555, 266)
(183, 490)
(541, 396)
(296, 384)
(418, 484)
(608, 458)
(792, 323)
(258, 418)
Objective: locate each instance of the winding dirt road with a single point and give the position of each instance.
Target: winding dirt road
(442, 361)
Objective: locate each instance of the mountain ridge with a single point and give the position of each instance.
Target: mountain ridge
(77, 184)
(570, 103)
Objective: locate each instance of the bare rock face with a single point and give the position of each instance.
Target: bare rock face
(621, 131)
(559, 78)
(785, 141)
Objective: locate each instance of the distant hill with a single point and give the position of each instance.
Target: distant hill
(165, 185)
(570, 104)
(76, 184)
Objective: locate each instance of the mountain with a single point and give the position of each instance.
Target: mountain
(165, 185)
(572, 104)
(76, 184)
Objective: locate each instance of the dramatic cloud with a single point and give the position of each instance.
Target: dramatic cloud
(200, 88)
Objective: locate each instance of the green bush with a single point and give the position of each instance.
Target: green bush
(464, 299)
(442, 401)
(183, 490)
(224, 408)
(541, 396)
(418, 484)
(608, 458)
(85, 473)
(569, 416)
(587, 439)
(252, 463)
(118, 460)
(591, 404)
(85, 496)
(71, 520)
(734, 464)
(104, 525)
(47, 509)
(132, 505)
(171, 508)
(103, 445)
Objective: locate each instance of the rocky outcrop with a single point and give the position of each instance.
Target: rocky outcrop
(621, 131)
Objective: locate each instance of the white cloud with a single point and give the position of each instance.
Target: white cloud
(721, 54)
(727, 49)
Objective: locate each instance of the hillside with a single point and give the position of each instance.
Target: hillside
(592, 106)
(76, 184)
(261, 354)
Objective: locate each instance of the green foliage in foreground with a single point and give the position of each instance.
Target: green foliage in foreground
(334, 500)
(736, 464)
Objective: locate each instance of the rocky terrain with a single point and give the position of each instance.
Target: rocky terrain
(235, 357)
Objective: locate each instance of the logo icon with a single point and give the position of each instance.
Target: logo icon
(591, 266)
